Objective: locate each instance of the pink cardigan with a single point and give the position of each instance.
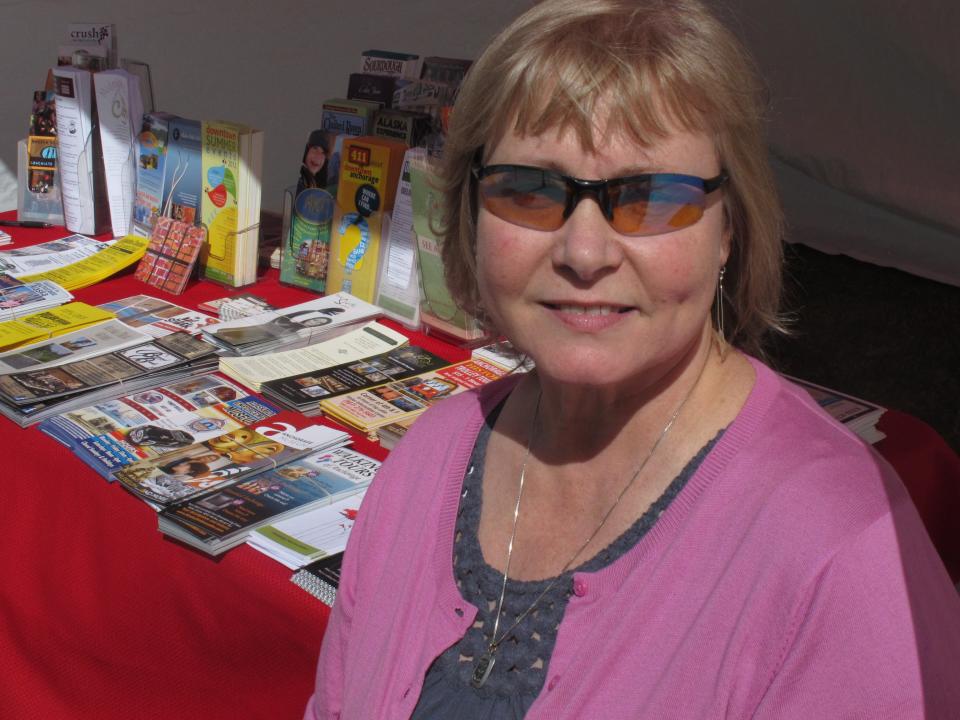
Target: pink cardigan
(791, 578)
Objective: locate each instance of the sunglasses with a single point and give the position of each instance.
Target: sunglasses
(541, 199)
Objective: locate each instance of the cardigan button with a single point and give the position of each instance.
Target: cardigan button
(579, 588)
(553, 682)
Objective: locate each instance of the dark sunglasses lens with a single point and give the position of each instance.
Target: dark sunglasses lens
(527, 197)
(656, 205)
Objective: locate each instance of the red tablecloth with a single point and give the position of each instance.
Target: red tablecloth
(102, 617)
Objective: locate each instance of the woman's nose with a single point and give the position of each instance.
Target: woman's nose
(586, 244)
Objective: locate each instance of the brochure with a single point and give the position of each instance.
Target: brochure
(293, 326)
(26, 298)
(79, 344)
(118, 254)
(49, 323)
(371, 339)
(157, 317)
(232, 457)
(303, 392)
(107, 452)
(223, 519)
(50, 255)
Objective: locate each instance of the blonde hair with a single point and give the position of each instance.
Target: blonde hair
(645, 66)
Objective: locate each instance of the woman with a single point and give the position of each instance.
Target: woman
(313, 166)
(652, 523)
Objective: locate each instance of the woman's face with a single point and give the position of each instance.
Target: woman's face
(589, 305)
(316, 157)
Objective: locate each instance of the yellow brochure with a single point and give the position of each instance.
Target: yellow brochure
(119, 255)
(49, 323)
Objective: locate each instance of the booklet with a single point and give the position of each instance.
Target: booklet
(223, 519)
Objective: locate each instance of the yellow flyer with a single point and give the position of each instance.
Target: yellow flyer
(49, 323)
(119, 255)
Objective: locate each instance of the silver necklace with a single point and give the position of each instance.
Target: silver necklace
(484, 666)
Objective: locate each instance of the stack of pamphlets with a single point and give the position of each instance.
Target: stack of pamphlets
(83, 343)
(370, 339)
(237, 306)
(40, 326)
(145, 425)
(50, 255)
(19, 298)
(114, 256)
(304, 392)
(241, 455)
(29, 396)
(157, 317)
(5, 238)
(371, 408)
(291, 327)
(308, 536)
(858, 415)
(220, 520)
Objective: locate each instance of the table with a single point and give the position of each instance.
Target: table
(103, 617)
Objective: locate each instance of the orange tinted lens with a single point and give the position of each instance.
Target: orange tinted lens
(655, 205)
(525, 196)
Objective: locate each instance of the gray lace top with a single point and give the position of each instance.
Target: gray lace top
(522, 659)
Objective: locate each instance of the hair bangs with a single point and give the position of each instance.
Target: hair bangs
(585, 86)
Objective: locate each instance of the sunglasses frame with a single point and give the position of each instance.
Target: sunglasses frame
(599, 190)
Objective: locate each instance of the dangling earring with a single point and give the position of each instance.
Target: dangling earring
(718, 312)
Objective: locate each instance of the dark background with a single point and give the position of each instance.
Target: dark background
(877, 333)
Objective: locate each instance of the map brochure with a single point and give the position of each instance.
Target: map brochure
(85, 342)
(157, 317)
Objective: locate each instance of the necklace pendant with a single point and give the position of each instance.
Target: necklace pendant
(483, 669)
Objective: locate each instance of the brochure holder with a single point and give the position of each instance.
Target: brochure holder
(31, 206)
(305, 240)
(438, 311)
(244, 246)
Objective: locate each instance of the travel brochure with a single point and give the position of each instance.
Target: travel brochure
(223, 519)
